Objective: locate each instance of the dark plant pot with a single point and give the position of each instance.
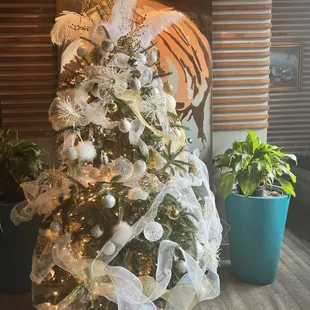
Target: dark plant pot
(16, 247)
(256, 234)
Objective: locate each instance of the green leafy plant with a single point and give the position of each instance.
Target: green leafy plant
(20, 161)
(252, 163)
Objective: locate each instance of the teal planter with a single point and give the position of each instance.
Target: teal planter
(255, 238)
(16, 248)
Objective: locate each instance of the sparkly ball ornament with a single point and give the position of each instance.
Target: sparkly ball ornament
(124, 126)
(171, 103)
(153, 232)
(82, 51)
(168, 88)
(96, 231)
(112, 107)
(71, 153)
(182, 267)
(109, 248)
(86, 151)
(126, 45)
(108, 45)
(55, 226)
(108, 201)
(135, 84)
(122, 167)
(173, 212)
(149, 183)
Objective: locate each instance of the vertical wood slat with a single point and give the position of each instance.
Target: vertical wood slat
(287, 134)
(28, 65)
(241, 56)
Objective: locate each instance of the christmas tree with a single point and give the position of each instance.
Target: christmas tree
(130, 220)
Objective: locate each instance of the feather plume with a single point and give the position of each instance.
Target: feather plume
(122, 17)
(71, 26)
(155, 24)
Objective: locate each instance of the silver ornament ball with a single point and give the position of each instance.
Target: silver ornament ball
(108, 201)
(135, 84)
(107, 45)
(182, 267)
(82, 51)
(55, 226)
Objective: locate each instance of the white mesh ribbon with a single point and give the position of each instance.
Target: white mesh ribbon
(129, 292)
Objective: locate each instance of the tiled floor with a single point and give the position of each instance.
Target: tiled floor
(290, 291)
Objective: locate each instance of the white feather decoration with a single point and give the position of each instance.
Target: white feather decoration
(71, 26)
(70, 52)
(155, 24)
(122, 17)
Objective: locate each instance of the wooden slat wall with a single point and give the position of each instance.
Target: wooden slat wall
(28, 64)
(241, 52)
(290, 111)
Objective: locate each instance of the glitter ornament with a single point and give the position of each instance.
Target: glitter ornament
(82, 51)
(86, 151)
(112, 107)
(96, 231)
(108, 45)
(108, 201)
(172, 212)
(133, 62)
(127, 45)
(149, 183)
(124, 126)
(135, 84)
(71, 153)
(55, 226)
(168, 88)
(122, 167)
(190, 140)
(171, 103)
(109, 248)
(182, 267)
(153, 232)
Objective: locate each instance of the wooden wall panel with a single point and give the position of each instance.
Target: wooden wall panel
(241, 52)
(290, 111)
(28, 64)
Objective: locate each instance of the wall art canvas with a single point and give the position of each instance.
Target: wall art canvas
(285, 67)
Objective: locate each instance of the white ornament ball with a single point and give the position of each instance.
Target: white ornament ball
(139, 167)
(124, 126)
(122, 233)
(96, 231)
(153, 232)
(135, 84)
(155, 92)
(109, 248)
(182, 267)
(108, 201)
(86, 151)
(151, 58)
(141, 58)
(71, 153)
(171, 103)
(55, 226)
(177, 133)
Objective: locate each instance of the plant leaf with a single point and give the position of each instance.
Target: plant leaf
(227, 183)
(287, 186)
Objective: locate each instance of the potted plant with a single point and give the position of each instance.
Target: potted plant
(20, 161)
(256, 208)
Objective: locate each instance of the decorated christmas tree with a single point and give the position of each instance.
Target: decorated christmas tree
(130, 220)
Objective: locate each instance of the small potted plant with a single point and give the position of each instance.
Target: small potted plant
(20, 161)
(256, 208)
